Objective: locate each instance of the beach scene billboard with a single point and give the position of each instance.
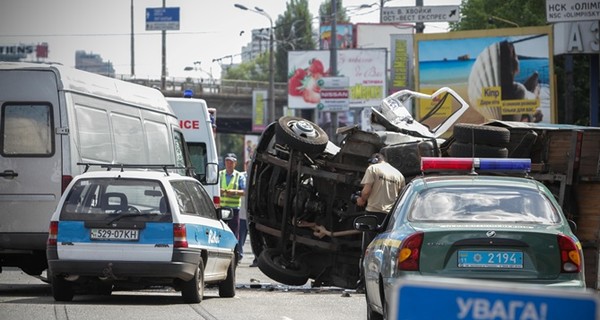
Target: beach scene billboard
(504, 74)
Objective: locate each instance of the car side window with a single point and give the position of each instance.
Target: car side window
(185, 200)
(202, 200)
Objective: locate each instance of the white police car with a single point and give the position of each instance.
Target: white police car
(126, 229)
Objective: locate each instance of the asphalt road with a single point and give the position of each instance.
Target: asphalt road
(257, 297)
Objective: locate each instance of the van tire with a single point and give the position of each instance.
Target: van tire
(270, 263)
(62, 290)
(192, 290)
(227, 286)
(481, 134)
(301, 134)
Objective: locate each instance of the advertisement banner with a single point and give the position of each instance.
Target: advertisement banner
(402, 62)
(364, 68)
(259, 110)
(250, 143)
(504, 74)
(343, 36)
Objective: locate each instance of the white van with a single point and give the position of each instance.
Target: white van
(52, 118)
(197, 125)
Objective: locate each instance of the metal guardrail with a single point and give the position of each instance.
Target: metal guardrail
(214, 86)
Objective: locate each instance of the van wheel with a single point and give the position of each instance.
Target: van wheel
(227, 287)
(192, 290)
(273, 264)
(301, 134)
(62, 290)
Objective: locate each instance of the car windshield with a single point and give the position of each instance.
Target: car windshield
(116, 195)
(492, 204)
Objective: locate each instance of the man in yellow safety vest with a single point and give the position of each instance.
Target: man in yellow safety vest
(233, 184)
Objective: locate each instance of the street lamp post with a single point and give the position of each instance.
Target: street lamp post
(271, 93)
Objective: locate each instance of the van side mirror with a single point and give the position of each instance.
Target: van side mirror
(211, 174)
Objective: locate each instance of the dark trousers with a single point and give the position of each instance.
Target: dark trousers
(234, 223)
(243, 234)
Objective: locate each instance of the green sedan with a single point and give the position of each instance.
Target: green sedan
(471, 226)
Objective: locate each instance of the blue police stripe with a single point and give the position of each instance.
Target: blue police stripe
(155, 232)
(199, 235)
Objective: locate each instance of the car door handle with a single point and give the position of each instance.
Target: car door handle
(9, 174)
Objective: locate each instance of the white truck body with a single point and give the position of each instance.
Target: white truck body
(196, 124)
(52, 118)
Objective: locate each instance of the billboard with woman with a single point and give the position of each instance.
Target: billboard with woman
(504, 74)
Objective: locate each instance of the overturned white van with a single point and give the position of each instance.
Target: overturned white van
(52, 118)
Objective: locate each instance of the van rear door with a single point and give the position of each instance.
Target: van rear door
(30, 157)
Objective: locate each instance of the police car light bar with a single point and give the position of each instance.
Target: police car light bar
(469, 164)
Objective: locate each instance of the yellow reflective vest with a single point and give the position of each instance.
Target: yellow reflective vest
(234, 184)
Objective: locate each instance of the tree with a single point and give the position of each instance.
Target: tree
(325, 13)
(293, 32)
(475, 15)
(479, 14)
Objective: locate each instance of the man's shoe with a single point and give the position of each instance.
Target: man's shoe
(254, 264)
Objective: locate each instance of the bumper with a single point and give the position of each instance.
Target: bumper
(183, 266)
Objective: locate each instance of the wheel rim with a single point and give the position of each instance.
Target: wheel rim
(302, 128)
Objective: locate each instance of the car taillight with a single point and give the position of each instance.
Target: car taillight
(179, 236)
(53, 233)
(570, 259)
(65, 183)
(217, 201)
(410, 251)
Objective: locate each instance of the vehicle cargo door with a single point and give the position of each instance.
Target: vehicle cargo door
(30, 155)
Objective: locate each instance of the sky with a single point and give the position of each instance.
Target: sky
(209, 30)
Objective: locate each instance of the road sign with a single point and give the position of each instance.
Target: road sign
(477, 299)
(420, 14)
(569, 10)
(162, 18)
(334, 94)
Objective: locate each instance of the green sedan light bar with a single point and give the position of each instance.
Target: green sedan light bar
(471, 164)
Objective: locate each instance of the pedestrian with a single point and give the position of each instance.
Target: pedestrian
(243, 213)
(382, 184)
(233, 184)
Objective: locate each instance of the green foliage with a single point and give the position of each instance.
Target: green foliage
(493, 14)
(257, 69)
(326, 13)
(293, 32)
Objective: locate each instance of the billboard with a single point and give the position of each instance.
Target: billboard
(365, 69)
(504, 74)
(402, 62)
(259, 110)
(343, 36)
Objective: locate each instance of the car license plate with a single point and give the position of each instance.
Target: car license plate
(490, 259)
(114, 234)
